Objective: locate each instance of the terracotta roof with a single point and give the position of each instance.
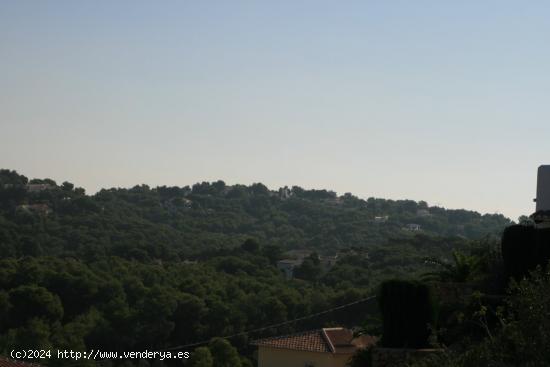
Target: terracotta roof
(309, 340)
(5, 362)
(327, 340)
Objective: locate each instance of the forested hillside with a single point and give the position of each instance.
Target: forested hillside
(149, 267)
(180, 222)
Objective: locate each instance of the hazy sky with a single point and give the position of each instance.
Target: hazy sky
(443, 101)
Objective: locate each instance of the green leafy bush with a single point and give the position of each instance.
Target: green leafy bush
(521, 338)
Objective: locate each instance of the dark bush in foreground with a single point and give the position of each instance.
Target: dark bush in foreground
(408, 310)
(524, 248)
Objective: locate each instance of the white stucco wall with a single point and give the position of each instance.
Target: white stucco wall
(276, 357)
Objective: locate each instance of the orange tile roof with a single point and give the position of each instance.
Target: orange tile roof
(5, 362)
(309, 340)
(327, 340)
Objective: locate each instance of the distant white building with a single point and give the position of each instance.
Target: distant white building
(296, 258)
(423, 213)
(186, 203)
(42, 209)
(11, 186)
(38, 187)
(413, 227)
(287, 266)
(381, 219)
(285, 193)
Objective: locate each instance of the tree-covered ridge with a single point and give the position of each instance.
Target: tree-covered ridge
(170, 223)
(130, 269)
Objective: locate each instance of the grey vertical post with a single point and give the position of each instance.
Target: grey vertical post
(543, 188)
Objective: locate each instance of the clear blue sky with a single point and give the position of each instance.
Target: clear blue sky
(443, 101)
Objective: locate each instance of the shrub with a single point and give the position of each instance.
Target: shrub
(408, 310)
(524, 248)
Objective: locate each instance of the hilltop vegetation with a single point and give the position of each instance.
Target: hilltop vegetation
(128, 269)
(170, 223)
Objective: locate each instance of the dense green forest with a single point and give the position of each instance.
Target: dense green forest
(130, 269)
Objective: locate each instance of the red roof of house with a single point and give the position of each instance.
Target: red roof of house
(326, 340)
(5, 362)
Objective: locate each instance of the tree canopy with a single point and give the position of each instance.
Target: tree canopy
(145, 268)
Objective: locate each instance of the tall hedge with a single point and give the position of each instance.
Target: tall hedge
(407, 308)
(542, 240)
(523, 248)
